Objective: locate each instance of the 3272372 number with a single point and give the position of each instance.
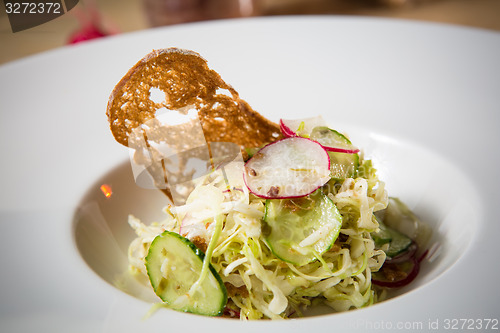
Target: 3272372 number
(33, 8)
(471, 324)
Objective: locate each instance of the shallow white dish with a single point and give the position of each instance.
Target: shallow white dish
(420, 98)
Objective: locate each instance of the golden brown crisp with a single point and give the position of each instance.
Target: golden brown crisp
(186, 80)
(174, 81)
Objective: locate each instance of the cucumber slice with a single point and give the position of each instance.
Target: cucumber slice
(398, 216)
(298, 230)
(174, 264)
(343, 165)
(344, 160)
(382, 236)
(398, 243)
(332, 140)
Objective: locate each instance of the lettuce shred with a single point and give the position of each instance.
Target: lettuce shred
(259, 284)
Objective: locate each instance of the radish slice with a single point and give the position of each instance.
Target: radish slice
(288, 168)
(332, 140)
(285, 130)
(300, 127)
(411, 274)
(412, 269)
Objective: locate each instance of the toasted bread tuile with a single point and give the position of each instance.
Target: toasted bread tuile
(172, 82)
(187, 81)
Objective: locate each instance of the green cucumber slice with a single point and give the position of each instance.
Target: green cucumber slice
(398, 243)
(174, 264)
(382, 235)
(343, 165)
(332, 140)
(298, 230)
(398, 216)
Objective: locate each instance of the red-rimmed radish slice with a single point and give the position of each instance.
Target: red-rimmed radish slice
(401, 272)
(288, 168)
(332, 140)
(300, 127)
(406, 273)
(285, 130)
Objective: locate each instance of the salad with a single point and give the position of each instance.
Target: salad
(302, 221)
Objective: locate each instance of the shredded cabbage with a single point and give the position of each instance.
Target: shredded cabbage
(228, 221)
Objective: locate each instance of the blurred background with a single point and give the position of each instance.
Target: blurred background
(100, 18)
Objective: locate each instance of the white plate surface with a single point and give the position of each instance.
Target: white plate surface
(421, 98)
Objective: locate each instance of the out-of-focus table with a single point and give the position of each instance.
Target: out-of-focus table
(128, 15)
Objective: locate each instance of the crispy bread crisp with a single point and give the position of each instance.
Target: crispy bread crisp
(172, 82)
(186, 80)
